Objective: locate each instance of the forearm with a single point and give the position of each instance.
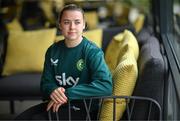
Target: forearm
(47, 86)
(96, 88)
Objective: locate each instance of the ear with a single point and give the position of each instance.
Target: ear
(84, 27)
(59, 26)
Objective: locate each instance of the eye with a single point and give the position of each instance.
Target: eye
(77, 22)
(66, 22)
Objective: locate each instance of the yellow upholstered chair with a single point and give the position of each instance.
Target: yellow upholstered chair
(124, 79)
(121, 56)
(139, 22)
(91, 19)
(14, 25)
(114, 49)
(26, 50)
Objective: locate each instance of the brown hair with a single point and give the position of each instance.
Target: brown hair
(70, 7)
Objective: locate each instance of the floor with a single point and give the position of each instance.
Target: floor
(20, 106)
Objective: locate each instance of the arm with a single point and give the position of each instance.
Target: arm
(49, 87)
(101, 79)
(48, 84)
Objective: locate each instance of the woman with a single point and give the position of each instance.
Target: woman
(74, 69)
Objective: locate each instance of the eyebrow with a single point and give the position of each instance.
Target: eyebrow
(71, 20)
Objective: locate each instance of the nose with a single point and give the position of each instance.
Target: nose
(72, 25)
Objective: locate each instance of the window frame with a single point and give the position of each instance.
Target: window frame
(163, 13)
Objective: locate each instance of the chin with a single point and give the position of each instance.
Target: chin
(72, 38)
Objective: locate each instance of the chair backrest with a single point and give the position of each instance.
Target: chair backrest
(150, 81)
(109, 33)
(127, 115)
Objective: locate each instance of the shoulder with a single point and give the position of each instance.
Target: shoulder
(91, 48)
(54, 47)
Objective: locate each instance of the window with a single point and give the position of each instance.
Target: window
(176, 28)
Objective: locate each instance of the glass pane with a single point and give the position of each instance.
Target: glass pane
(176, 30)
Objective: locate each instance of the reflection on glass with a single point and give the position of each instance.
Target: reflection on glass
(176, 30)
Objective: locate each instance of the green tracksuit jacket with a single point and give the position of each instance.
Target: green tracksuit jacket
(81, 70)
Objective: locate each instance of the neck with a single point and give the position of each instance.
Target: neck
(73, 43)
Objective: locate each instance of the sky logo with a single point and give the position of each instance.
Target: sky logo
(64, 81)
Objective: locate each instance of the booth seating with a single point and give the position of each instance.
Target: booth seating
(149, 83)
(152, 68)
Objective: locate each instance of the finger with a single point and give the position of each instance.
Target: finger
(54, 107)
(57, 95)
(62, 89)
(54, 98)
(57, 106)
(50, 104)
(62, 100)
(62, 95)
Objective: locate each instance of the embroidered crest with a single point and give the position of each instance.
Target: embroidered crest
(80, 64)
(54, 62)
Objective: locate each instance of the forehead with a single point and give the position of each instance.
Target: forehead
(72, 14)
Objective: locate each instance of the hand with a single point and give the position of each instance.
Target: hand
(55, 106)
(58, 96)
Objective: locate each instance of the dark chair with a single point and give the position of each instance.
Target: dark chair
(151, 78)
(130, 110)
(32, 16)
(148, 93)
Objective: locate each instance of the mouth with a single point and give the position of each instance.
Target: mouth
(71, 33)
